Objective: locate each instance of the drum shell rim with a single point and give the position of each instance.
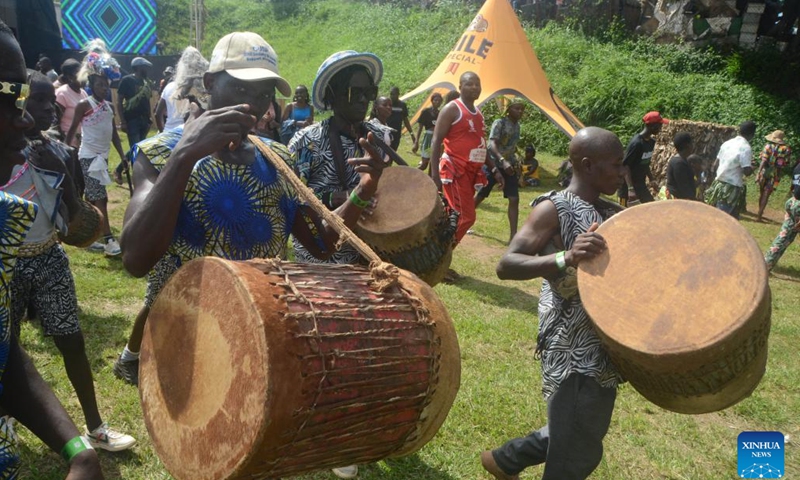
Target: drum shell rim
(760, 295)
(260, 431)
(713, 401)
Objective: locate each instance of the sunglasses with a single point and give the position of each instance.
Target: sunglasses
(355, 93)
(20, 92)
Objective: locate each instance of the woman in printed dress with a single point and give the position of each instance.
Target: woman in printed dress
(774, 158)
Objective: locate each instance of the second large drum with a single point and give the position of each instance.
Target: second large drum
(411, 227)
(681, 301)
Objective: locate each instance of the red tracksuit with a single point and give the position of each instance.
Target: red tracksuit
(460, 167)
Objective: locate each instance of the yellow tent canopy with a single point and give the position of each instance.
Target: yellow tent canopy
(495, 47)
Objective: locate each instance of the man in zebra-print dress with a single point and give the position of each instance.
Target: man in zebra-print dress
(346, 83)
(578, 379)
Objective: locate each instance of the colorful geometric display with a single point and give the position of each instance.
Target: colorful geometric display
(127, 26)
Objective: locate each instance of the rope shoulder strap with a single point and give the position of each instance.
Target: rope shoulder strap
(384, 274)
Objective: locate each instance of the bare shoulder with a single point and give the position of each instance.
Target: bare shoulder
(449, 109)
(447, 116)
(544, 214)
(539, 228)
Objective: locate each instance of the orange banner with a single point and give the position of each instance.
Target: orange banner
(496, 48)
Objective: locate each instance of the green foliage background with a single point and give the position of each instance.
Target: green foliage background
(606, 77)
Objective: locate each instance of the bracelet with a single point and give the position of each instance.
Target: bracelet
(561, 260)
(358, 201)
(74, 447)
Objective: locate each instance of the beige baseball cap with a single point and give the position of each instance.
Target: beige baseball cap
(247, 56)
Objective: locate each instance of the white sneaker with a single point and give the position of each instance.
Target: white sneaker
(346, 472)
(96, 247)
(7, 432)
(9, 445)
(112, 248)
(109, 439)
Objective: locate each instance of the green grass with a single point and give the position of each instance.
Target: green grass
(500, 391)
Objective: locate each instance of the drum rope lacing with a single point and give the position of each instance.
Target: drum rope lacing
(384, 274)
(385, 300)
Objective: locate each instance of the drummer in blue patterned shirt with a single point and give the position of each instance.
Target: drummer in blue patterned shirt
(205, 190)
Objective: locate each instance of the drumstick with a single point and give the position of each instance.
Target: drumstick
(388, 150)
(396, 158)
(385, 274)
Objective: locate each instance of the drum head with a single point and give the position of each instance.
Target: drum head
(200, 356)
(677, 277)
(407, 197)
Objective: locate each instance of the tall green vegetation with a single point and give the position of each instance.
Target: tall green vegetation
(612, 84)
(607, 78)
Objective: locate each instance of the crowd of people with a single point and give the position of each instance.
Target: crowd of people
(201, 188)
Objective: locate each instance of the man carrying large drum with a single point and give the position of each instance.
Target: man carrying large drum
(690, 336)
(579, 380)
(210, 191)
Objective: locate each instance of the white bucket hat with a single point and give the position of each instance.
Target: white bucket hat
(248, 57)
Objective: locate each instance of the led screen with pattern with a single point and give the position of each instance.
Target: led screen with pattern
(127, 26)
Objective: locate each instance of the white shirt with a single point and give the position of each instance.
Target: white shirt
(97, 127)
(174, 115)
(734, 155)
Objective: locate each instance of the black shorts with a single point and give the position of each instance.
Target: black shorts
(510, 190)
(46, 282)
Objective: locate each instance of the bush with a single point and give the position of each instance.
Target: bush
(612, 85)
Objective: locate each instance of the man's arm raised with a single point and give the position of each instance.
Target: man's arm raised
(153, 211)
(370, 167)
(523, 261)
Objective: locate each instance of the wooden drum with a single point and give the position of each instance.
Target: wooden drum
(411, 227)
(682, 303)
(267, 369)
(85, 228)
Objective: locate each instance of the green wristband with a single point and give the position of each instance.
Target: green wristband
(74, 447)
(358, 201)
(561, 260)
